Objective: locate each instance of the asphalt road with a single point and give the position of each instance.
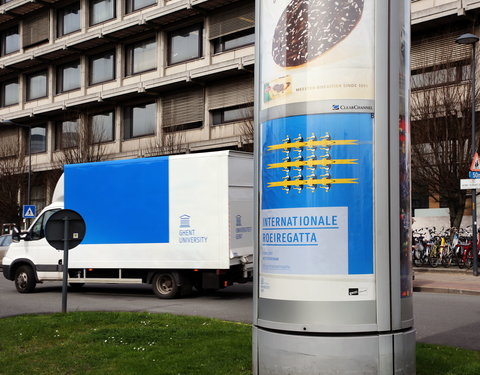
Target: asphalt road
(444, 319)
(448, 319)
(233, 303)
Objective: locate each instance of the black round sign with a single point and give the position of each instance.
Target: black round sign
(61, 221)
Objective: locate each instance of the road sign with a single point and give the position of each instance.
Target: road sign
(473, 174)
(29, 211)
(56, 226)
(469, 183)
(475, 166)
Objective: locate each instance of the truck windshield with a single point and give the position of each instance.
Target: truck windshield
(38, 230)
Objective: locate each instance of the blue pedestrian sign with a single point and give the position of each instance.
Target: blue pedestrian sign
(29, 211)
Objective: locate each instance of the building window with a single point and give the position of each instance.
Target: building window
(102, 127)
(10, 41)
(229, 42)
(140, 120)
(440, 76)
(68, 19)
(231, 100)
(233, 27)
(67, 134)
(9, 145)
(185, 44)
(141, 56)
(68, 77)
(102, 67)
(101, 10)
(37, 85)
(36, 30)
(38, 139)
(232, 114)
(10, 93)
(133, 5)
(183, 110)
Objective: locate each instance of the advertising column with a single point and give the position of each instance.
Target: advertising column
(316, 282)
(316, 110)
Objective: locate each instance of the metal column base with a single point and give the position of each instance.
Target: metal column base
(280, 353)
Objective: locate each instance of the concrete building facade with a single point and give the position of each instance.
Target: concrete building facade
(132, 78)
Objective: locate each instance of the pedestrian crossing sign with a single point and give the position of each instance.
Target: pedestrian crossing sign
(475, 166)
(29, 211)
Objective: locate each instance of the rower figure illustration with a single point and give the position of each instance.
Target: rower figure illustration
(301, 172)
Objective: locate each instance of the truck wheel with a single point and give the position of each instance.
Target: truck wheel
(165, 285)
(25, 279)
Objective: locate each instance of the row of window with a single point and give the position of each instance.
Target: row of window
(183, 45)
(140, 57)
(68, 21)
(138, 120)
(36, 30)
(440, 75)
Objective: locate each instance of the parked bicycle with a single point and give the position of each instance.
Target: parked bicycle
(464, 255)
(446, 247)
(419, 248)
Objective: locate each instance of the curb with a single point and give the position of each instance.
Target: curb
(441, 270)
(428, 289)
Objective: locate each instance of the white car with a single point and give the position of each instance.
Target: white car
(5, 241)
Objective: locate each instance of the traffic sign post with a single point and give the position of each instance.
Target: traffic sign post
(65, 230)
(473, 183)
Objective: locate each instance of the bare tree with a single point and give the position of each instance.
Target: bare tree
(169, 143)
(247, 129)
(80, 144)
(441, 131)
(13, 169)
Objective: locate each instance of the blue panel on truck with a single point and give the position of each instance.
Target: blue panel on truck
(123, 201)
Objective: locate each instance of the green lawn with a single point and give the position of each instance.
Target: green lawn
(143, 343)
(444, 360)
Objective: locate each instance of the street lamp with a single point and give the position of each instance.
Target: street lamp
(472, 40)
(29, 129)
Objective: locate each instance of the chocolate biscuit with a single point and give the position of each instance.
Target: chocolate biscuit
(308, 28)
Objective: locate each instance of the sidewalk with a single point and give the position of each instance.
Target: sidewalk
(445, 280)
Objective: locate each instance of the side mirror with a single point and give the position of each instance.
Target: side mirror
(15, 235)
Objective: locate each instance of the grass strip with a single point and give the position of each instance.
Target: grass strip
(123, 343)
(143, 343)
(445, 360)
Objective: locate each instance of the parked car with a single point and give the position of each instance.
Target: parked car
(5, 241)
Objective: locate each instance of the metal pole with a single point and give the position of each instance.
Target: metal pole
(65, 265)
(29, 186)
(474, 191)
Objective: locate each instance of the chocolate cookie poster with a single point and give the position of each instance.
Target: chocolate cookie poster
(318, 50)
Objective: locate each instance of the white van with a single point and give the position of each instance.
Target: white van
(173, 222)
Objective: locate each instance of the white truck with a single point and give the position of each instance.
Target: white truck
(173, 222)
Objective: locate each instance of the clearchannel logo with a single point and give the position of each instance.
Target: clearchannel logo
(354, 107)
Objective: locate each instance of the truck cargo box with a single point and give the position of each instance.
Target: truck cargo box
(188, 211)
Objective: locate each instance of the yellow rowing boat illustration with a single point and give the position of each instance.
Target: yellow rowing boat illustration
(311, 182)
(311, 143)
(312, 163)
